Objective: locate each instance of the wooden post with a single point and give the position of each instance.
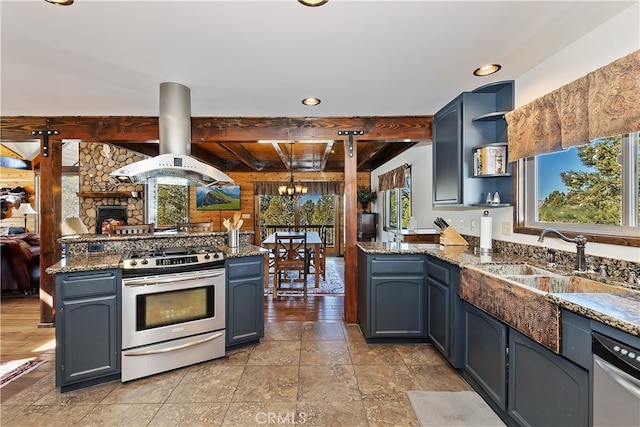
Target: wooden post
(50, 217)
(350, 229)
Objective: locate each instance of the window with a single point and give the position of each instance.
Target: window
(167, 202)
(592, 189)
(70, 201)
(398, 204)
(310, 212)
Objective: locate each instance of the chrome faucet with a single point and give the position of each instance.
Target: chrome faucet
(579, 240)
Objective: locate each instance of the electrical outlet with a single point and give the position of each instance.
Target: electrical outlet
(449, 221)
(473, 225)
(461, 224)
(506, 228)
(246, 216)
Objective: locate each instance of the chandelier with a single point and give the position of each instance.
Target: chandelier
(292, 189)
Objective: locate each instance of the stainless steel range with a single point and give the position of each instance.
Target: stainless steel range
(173, 309)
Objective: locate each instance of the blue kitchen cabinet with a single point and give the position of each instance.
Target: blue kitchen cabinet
(444, 309)
(88, 328)
(392, 297)
(244, 300)
(470, 121)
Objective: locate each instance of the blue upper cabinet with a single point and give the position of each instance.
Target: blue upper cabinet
(470, 158)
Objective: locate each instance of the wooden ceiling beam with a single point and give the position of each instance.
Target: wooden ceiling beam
(218, 129)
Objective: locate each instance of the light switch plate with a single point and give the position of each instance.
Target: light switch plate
(506, 228)
(246, 216)
(473, 225)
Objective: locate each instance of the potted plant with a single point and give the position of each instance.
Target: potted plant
(366, 195)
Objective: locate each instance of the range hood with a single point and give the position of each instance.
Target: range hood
(175, 160)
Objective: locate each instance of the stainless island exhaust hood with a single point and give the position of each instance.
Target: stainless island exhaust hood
(175, 158)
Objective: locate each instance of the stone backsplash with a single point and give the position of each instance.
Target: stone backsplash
(616, 268)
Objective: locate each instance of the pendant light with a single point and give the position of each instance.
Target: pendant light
(292, 189)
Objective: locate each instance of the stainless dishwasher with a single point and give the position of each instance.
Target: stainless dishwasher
(616, 382)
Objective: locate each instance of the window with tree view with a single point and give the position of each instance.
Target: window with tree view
(309, 212)
(590, 188)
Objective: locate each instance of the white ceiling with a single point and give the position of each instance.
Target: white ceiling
(260, 58)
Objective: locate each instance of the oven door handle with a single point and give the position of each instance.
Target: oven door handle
(174, 348)
(170, 278)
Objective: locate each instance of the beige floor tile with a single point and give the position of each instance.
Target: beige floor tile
(35, 392)
(390, 413)
(276, 353)
(282, 331)
(235, 357)
(190, 414)
(321, 331)
(86, 396)
(268, 383)
(154, 389)
(420, 354)
(327, 384)
(211, 383)
(120, 415)
(47, 415)
(384, 382)
(324, 353)
(343, 414)
(437, 378)
(374, 354)
(242, 414)
(352, 333)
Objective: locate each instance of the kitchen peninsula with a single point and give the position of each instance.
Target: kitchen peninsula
(492, 318)
(135, 305)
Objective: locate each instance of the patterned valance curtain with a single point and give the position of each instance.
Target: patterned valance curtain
(395, 178)
(262, 188)
(603, 103)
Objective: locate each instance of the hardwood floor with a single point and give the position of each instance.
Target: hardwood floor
(320, 308)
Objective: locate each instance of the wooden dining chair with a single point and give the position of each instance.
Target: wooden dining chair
(290, 256)
(190, 227)
(132, 229)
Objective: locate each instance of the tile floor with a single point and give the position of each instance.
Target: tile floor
(311, 373)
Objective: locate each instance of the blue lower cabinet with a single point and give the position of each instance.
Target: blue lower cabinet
(392, 296)
(545, 389)
(244, 300)
(485, 354)
(87, 328)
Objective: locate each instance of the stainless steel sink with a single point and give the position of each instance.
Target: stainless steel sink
(556, 284)
(514, 270)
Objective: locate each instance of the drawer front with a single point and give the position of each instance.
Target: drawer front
(398, 265)
(245, 267)
(76, 285)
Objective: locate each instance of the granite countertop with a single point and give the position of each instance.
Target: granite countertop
(104, 261)
(619, 310)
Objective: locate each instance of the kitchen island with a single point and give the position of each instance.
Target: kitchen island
(212, 295)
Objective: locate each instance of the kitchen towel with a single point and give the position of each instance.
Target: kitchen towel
(485, 232)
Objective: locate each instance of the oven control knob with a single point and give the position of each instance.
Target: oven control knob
(216, 256)
(144, 262)
(206, 256)
(133, 262)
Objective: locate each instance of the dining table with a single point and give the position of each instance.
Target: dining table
(314, 243)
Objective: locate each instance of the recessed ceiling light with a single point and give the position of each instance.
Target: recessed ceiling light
(60, 2)
(313, 3)
(485, 70)
(311, 101)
